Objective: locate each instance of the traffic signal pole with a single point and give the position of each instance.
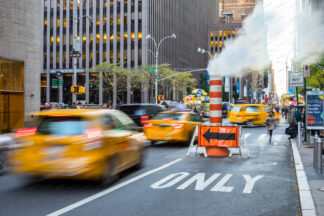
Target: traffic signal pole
(75, 21)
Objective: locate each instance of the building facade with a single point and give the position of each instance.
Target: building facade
(239, 8)
(20, 61)
(115, 31)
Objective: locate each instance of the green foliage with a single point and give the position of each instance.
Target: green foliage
(317, 76)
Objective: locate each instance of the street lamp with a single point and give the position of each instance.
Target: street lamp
(157, 47)
(204, 51)
(76, 51)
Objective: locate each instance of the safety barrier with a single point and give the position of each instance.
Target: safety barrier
(318, 151)
(215, 141)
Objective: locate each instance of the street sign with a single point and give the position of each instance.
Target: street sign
(61, 81)
(296, 79)
(227, 83)
(54, 83)
(314, 110)
(306, 71)
(238, 87)
(59, 74)
(213, 136)
(152, 70)
(245, 91)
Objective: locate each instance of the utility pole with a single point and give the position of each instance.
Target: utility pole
(75, 21)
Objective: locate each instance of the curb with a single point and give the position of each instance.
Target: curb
(305, 195)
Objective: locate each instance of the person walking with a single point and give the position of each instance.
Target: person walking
(270, 123)
(292, 121)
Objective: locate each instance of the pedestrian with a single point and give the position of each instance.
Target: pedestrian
(292, 121)
(270, 123)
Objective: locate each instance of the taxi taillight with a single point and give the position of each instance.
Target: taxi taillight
(147, 125)
(178, 126)
(144, 119)
(25, 132)
(93, 133)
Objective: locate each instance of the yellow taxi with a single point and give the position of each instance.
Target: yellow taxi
(172, 126)
(250, 114)
(83, 144)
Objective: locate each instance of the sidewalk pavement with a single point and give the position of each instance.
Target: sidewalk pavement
(315, 181)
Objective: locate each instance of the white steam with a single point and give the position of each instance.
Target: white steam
(247, 52)
(310, 36)
(272, 31)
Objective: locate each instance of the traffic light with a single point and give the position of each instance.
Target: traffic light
(77, 89)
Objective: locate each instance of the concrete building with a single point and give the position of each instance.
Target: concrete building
(20, 61)
(238, 8)
(115, 31)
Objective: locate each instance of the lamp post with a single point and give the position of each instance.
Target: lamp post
(157, 47)
(204, 51)
(75, 53)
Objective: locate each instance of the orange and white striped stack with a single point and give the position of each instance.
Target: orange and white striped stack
(215, 102)
(215, 99)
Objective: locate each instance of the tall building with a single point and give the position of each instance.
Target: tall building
(238, 8)
(20, 61)
(115, 31)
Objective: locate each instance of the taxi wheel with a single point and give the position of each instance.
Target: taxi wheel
(110, 172)
(141, 156)
(249, 124)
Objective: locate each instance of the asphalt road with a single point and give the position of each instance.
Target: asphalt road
(172, 184)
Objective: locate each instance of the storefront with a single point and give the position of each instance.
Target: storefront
(11, 95)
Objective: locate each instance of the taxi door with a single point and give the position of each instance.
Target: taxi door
(193, 120)
(116, 140)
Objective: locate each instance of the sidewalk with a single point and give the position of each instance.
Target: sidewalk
(315, 181)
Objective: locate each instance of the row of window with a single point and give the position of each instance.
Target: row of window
(91, 3)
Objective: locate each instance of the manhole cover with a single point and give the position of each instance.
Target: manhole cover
(264, 163)
(321, 189)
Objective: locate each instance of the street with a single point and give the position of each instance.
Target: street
(172, 184)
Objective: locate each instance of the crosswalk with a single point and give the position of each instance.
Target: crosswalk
(260, 139)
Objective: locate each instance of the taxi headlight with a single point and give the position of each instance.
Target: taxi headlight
(92, 145)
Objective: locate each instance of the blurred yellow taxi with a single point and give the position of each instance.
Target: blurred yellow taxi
(83, 144)
(172, 126)
(250, 114)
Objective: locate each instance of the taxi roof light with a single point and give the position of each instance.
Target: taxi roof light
(145, 117)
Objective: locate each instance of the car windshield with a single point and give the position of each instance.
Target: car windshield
(236, 108)
(133, 110)
(252, 109)
(266, 109)
(170, 116)
(62, 126)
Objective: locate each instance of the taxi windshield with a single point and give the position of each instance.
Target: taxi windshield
(236, 108)
(252, 109)
(170, 116)
(62, 126)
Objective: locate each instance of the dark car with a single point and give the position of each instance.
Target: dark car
(225, 108)
(141, 113)
(5, 144)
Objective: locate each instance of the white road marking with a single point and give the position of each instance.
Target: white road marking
(199, 178)
(262, 137)
(160, 184)
(305, 195)
(109, 190)
(250, 183)
(220, 185)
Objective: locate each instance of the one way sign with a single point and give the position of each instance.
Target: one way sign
(214, 136)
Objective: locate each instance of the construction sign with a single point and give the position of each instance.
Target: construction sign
(214, 136)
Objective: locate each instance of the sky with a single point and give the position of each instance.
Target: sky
(281, 25)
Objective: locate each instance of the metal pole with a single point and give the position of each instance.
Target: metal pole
(156, 74)
(317, 163)
(75, 20)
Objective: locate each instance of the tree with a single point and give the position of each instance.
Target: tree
(316, 79)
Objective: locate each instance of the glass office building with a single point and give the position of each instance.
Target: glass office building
(115, 31)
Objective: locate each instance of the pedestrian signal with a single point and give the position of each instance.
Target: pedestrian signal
(77, 89)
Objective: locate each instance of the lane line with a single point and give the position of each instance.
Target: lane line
(109, 190)
(305, 195)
